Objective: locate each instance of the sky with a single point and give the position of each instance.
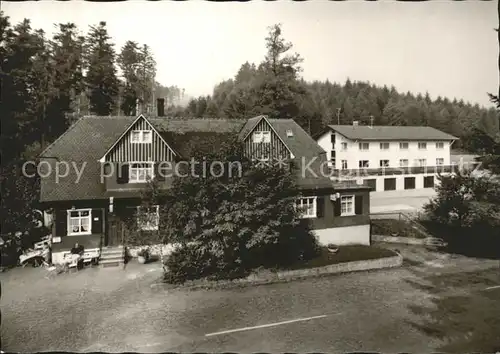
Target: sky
(445, 48)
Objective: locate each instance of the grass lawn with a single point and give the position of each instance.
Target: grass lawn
(344, 254)
(394, 227)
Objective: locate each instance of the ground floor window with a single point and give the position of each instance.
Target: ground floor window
(79, 221)
(429, 182)
(307, 207)
(389, 184)
(409, 182)
(148, 218)
(346, 205)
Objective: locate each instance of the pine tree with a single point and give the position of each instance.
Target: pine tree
(101, 77)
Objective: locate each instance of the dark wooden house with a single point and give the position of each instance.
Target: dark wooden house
(100, 166)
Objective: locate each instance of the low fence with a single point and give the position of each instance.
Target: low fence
(404, 223)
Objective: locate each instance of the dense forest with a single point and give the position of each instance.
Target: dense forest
(47, 83)
(274, 87)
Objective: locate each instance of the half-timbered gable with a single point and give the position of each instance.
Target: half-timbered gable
(262, 141)
(140, 143)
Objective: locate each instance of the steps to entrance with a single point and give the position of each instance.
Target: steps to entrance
(112, 256)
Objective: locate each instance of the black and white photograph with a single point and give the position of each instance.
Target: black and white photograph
(250, 177)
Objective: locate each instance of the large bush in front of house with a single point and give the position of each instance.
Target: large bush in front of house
(228, 225)
(466, 214)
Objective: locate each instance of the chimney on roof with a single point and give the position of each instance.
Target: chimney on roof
(138, 108)
(160, 107)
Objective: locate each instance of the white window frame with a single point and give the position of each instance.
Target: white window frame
(403, 146)
(266, 137)
(137, 180)
(343, 146)
(146, 227)
(367, 165)
(69, 225)
(142, 139)
(382, 146)
(344, 164)
(384, 165)
(261, 137)
(421, 162)
(257, 137)
(439, 145)
(302, 204)
(362, 145)
(401, 164)
(422, 146)
(440, 159)
(346, 200)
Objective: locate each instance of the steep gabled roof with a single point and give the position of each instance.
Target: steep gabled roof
(300, 143)
(378, 132)
(86, 141)
(82, 145)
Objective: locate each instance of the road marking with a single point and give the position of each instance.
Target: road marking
(493, 287)
(263, 326)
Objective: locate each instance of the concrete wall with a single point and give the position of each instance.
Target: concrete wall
(358, 235)
(352, 154)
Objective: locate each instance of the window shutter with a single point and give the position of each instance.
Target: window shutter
(358, 205)
(97, 224)
(336, 207)
(61, 223)
(320, 206)
(160, 176)
(122, 176)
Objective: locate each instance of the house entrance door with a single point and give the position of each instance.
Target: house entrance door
(116, 232)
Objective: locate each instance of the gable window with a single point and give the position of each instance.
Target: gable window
(440, 146)
(403, 146)
(384, 163)
(266, 137)
(148, 218)
(364, 146)
(347, 205)
(439, 162)
(344, 164)
(364, 164)
(141, 137)
(332, 138)
(384, 146)
(307, 207)
(422, 146)
(403, 163)
(343, 146)
(141, 172)
(262, 137)
(79, 221)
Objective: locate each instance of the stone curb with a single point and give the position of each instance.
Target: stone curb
(290, 275)
(429, 241)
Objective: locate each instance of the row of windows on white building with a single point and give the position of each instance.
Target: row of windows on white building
(385, 146)
(385, 163)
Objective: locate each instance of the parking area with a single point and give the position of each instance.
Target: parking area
(116, 310)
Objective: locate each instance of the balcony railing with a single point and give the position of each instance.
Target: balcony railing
(388, 171)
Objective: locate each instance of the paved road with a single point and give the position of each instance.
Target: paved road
(115, 311)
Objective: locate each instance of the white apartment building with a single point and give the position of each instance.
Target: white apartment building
(387, 158)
